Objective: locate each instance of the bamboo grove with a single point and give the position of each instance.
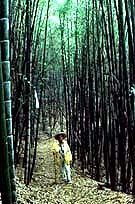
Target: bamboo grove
(77, 58)
(99, 89)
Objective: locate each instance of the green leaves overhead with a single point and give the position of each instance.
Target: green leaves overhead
(86, 53)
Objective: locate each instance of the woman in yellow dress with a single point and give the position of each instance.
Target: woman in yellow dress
(62, 156)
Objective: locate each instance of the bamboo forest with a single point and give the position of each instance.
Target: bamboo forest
(67, 101)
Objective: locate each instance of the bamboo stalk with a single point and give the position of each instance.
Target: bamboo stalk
(8, 187)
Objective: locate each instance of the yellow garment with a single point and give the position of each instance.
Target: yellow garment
(67, 153)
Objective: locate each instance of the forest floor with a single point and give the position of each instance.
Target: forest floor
(44, 190)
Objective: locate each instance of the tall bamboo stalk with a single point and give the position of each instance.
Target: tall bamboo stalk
(5, 107)
(28, 91)
(41, 90)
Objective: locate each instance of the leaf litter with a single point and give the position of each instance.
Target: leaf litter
(44, 190)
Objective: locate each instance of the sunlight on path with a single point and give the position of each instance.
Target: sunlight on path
(43, 190)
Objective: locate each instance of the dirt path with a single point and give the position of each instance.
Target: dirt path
(83, 190)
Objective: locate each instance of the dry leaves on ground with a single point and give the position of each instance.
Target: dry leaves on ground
(43, 190)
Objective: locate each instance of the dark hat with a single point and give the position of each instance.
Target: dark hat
(58, 134)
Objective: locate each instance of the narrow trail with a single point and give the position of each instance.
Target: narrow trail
(43, 190)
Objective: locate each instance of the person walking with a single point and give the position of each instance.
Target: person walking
(62, 157)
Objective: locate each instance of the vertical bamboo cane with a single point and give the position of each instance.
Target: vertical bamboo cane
(4, 75)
